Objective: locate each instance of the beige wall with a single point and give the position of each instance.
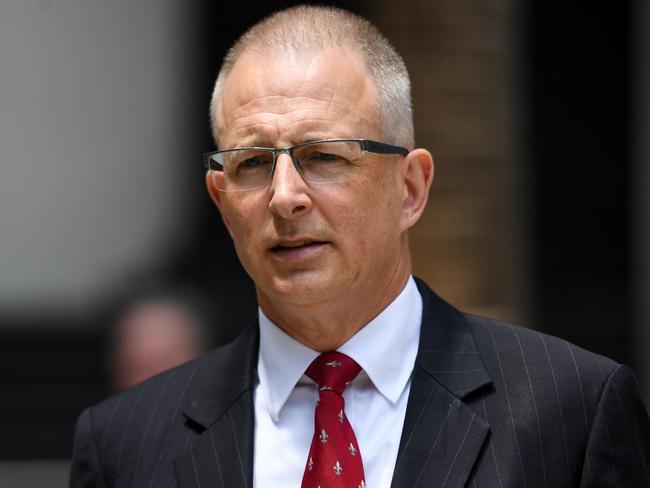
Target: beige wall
(462, 56)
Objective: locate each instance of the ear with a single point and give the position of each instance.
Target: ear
(418, 176)
(216, 196)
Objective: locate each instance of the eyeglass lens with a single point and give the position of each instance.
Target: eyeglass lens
(320, 162)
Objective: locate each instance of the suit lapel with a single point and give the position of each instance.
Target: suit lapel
(442, 437)
(222, 414)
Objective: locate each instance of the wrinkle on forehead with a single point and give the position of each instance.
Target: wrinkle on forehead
(291, 126)
(272, 134)
(277, 104)
(273, 98)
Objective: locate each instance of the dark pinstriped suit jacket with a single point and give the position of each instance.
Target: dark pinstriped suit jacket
(491, 405)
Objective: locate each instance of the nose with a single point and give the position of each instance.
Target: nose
(289, 196)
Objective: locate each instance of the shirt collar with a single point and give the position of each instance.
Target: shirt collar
(394, 336)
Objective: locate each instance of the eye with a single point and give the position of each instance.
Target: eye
(252, 163)
(322, 156)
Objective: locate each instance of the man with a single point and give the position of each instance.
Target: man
(311, 111)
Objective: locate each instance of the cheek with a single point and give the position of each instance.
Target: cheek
(371, 219)
(242, 226)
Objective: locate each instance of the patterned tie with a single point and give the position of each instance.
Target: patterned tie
(334, 459)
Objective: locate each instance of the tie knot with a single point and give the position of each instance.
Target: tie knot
(333, 371)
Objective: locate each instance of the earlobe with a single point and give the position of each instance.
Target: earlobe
(418, 177)
(212, 188)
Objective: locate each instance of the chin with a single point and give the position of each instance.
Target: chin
(304, 288)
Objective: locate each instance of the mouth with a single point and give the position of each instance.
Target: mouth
(298, 249)
(295, 244)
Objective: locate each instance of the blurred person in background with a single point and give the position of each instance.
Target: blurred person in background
(153, 334)
(356, 373)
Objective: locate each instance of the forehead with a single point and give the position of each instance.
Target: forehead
(292, 97)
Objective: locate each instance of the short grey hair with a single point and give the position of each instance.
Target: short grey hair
(304, 28)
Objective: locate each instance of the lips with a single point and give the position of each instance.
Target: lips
(297, 250)
(295, 244)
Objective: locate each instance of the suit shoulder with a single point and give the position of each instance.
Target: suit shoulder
(547, 381)
(538, 355)
(518, 351)
(136, 434)
(166, 383)
(166, 393)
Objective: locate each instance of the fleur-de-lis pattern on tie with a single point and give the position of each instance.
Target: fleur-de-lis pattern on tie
(334, 460)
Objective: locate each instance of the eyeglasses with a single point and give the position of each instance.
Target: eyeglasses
(327, 161)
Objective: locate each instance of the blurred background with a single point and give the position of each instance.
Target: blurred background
(537, 113)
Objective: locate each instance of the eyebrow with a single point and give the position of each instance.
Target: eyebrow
(253, 140)
(311, 136)
(256, 140)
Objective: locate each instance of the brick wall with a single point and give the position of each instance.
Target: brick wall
(463, 58)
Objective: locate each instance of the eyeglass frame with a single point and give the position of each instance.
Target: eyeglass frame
(366, 145)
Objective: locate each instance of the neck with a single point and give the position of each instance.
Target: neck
(325, 326)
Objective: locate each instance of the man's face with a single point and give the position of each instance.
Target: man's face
(305, 243)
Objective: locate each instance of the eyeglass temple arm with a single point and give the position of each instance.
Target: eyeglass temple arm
(382, 148)
(209, 163)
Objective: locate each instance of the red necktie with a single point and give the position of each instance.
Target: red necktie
(334, 459)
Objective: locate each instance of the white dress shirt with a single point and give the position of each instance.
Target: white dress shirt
(375, 402)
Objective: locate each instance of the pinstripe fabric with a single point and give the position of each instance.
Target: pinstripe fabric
(491, 405)
(142, 438)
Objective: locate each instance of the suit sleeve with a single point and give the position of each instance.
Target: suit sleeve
(85, 469)
(618, 448)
